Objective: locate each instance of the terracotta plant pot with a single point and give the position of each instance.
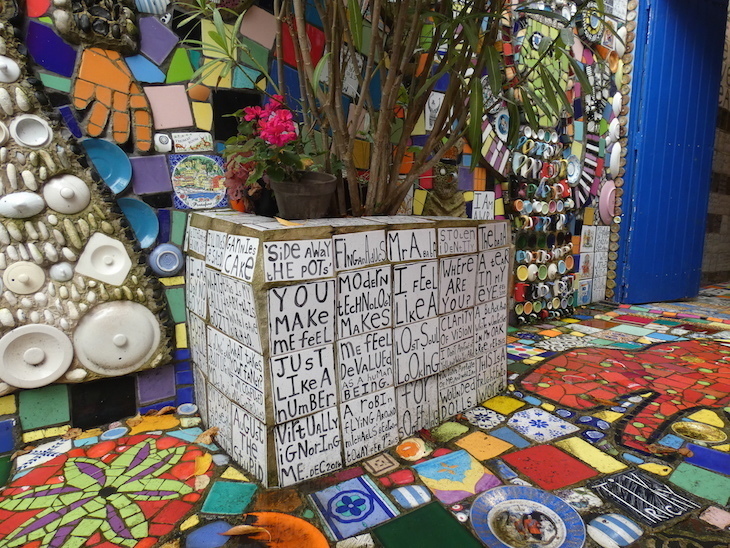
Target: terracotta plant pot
(308, 198)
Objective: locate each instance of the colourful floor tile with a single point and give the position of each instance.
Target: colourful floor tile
(455, 476)
(702, 483)
(482, 446)
(228, 498)
(503, 404)
(589, 454)
(549, 467)
(481, 417)
(539, 425)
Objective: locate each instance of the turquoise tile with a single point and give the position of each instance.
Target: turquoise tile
(702, 483)
(510, 436)
(44, 406)
(229, 498)
(176, 302)
(145, 70)
(632, 330)
(177, 233)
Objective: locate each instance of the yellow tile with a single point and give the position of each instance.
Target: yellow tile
(203, 113)
(591, 455)
(33, 436)
(214, 79)
(482, 446)
(175, 280)
(419, 200)
(192, 521)
(548, 407)
(658, 469)
(724, 447)
(361, 154)
(577, 334)
(644, 340)
(7, 405)
(420, 127)
(90, 433)
(589, 216)
(608, 416)
(571, 320)
(210, 48)
(503, 404)
(499, 206)
(529, 361)
(233, 474)
(148, 424)
(708, 417)
(189, 422)
(181, 336)
(469, 196)
(538, 359)
(47, 433)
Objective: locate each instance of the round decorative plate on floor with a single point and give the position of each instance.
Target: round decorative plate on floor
(111, 162)
(143, 219)
(516, 516)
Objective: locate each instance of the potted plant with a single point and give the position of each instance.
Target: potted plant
(268, 153)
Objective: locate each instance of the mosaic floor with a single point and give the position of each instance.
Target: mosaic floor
(613, 432)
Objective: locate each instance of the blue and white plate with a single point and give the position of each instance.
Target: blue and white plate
(516, 516)
(111, 162)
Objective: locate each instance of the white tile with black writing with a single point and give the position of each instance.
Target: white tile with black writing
(483, 205)
(492, 274)
(411, 245)
(298, 260)
(195, 290)
(301, 316)
(418, 405)
(237, 371)
(493, 235)
(197, 341)
(365, 363)
(303, 382)
(457, 240)
(416, 350)
(415, 292)
(248, 442)
(457, 283)
(603, 239)
(491, 373)
(215, 248)
(200, 387)
(364, 301)
(490, 326)
(359, 249)
(195, 240)
(220, 413)
(239, 259)
(456, 338)
(369, 425)
(308, 447)
(232, 308)
(457, 389)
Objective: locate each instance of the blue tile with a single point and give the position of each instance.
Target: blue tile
(182, 366)
(189, 435)
(49, 50)
(663, 336)
(208, 536)
(593, 436)
(163, 217)
(184, 377)
(507, 434)
(710, 459)
(156, 406)
(145, 70)
(182, 355)
(501, 468)
(532, 400)
(86, 441)
(6, 435)
(185, 395)
(70, 120)
(671, 440)
(632, 458)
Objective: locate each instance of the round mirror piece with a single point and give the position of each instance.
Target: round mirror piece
(32, 356)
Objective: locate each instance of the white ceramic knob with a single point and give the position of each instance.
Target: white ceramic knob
(34, 355)
(67, 194)
(24, 277)
(104, 259)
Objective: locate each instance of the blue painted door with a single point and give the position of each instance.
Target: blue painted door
(678, 63)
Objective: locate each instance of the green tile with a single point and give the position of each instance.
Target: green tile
(702, 483)
(632, 330)
(430, 526)
(519, 367)
(228, 497)
(56, 82)
(180, 70)
(601, 342)
(5, 466)
(253, 54)
(176, 302)
(44, 406)
(179, 220)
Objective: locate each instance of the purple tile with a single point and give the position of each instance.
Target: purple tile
(150, 174)
(70, 119)
(466, 179)
(156, 384)
(157, 41)
(49, 50)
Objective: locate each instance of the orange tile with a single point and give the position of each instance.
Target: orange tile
(482, 446)
(199, 92)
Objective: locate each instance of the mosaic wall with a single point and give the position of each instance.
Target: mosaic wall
(716, 260)
(319, 345)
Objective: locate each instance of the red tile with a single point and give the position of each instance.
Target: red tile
(549, 467)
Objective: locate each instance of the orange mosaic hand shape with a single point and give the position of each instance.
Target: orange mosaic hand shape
(105, 80)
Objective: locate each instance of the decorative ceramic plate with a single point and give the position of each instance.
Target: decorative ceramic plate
(573, 170)
(501, 124)
(516, 516)
(111, 162)
(607, 202)
(699, 431)
(615, 163)
(143, 219)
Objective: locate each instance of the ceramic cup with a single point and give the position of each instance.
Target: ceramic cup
(552, 271)
(542, 272)
(532, 272)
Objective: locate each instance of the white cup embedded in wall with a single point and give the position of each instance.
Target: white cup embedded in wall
(30, 131)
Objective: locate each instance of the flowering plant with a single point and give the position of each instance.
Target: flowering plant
(267, 146)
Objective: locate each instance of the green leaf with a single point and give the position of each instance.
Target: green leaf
(317, 74)
(568, 37)
(560, 93)
(218, 39)
(474, 128)
(275, 173)
(354, 14)
(494, 70)
(548, 91)
(529, 111)
(514, 124)
(579, 73)
(544, 13)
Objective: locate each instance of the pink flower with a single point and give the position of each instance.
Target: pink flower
(252, 113)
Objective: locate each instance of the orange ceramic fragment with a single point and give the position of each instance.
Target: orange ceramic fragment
(199, 92)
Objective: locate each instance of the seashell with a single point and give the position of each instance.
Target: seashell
(6, 318)
(127, 293)
(12, 254)
(134, 279)
(6, 103)
(33, 157)
(48, 160)
(42, 173)
(15, 232)
(61, 272)
(141, 297)
(99, 212)
(22, 100)
(35, 316)
(4, 236)
(91, 296)
(25, 302)
(11, 298)
(75, 295)
(20, 157)
(21, 205)
(12, 174)
(35, 253)
(3, 262)
(31, 231)
(63, 324)
(75, 375)
(3, 47)
(29, 180)
(23, 252)
(72, 311)
(92, 283)
(84, 228)
(41, 299)
(51, 288)
(21, 315)
(43, 230)
(92, 222)
(50, 252)
(52, 219)
(107, 227)
(83, 307)
(58, 236)
(103, 294)
(80, 282)
(72, 234)
(69, 255)
(63, 157)
(63, 292)
(117, 293)
(3, 155)
(48, 316)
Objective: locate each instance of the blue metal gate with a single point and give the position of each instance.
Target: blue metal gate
(678, 63)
